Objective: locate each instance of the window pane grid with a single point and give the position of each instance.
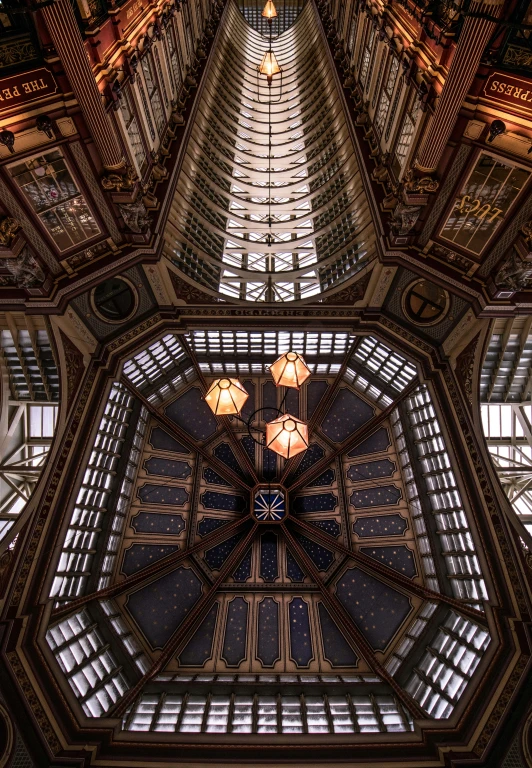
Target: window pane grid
(74, 565)
(88, 664)
(449, 662)
(275, 714)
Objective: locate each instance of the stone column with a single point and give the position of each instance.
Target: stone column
(475, 35)
(68, 42)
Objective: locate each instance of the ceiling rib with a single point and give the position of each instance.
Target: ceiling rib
(184, 437)
(150, 571)
(181, 635)
(360, 434)
(237, 445)
(350, 630)
(383, 571)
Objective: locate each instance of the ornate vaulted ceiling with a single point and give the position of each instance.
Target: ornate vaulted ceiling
(180, 606)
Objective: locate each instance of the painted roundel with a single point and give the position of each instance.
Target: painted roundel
(425, 303)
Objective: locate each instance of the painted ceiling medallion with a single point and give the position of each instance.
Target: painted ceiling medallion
(269, 505)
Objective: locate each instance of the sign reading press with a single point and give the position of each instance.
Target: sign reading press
(513, 92)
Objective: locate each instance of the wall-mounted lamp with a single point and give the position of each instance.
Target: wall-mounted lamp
(44, 124)
(496, 129)
(7, 138)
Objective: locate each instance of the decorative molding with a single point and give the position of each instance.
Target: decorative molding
(465, 364)
(156, 282)
(34, 703)
(353, 293)
(74, 366)
(458, 331)
(96, 192)
(385, 280)
(82, 329)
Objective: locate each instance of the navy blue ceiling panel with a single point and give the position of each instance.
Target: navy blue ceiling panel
(269, 401)
(300, 638)
(268, 634)
(157, 465)
(380, 525)
(346, 414)
(191, 413)
(235, 638)
(226, 501)
(161, 441)
(377, 609)
(249, 446)
(210, 524)
(371, 469)
(326, 478)
(315, 391)
(269, 464)
(138, 556)
(217, 556)
(320, 556)
(318, 502)
(375, 443)
(174, 495)
(399, 558)
(313, 454)
(161, 606)
(293, 570)
(199, 648)
(243, 572)
(292, 402)
(250, 404)
(155, 522)
(269, 568)
(336, 649)
(379, 496)
(331, 527)
(213, 478)
(224, 452)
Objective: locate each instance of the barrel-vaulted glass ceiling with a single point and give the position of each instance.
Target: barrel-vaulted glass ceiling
(321, 233)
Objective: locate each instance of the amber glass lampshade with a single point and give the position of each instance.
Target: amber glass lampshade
(290, 370)
(287, 436)
(269, 65)
(226, 397)
(269, 11)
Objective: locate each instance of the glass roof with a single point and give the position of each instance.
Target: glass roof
(270, 224)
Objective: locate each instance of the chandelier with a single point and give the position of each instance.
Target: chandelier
(286, 435)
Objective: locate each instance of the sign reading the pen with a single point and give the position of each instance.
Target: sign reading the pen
(21, 89)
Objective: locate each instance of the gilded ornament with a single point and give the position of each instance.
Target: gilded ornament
(117, 182)
(8, 229)
(421, 184)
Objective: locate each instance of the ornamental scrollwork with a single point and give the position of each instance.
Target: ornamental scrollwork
(419, 184)
(118, 182)
(8, 229)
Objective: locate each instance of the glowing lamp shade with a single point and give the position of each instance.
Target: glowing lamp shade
(269, 65)
(287, 436)
(290, 370)
(269, 11)
(226, 397)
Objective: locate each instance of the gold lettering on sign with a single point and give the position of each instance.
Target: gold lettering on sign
(20, 89)
(134, 8)
(466, 205)
(514, 92)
